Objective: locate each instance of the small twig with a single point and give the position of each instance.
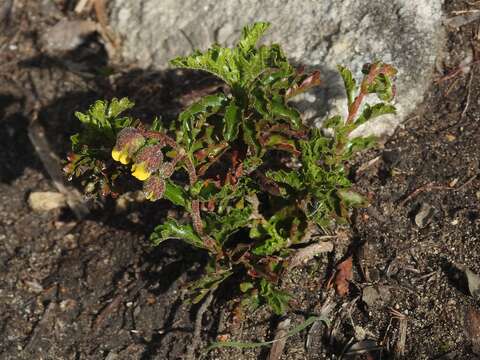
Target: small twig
(459, 12)
(402, 330)
(111, 41)
(456, 71)
(469, 93)
(83, 5)
(430, 186)
(198, 327)
(468, 182)
(427, 187)
(304, 255)
(52, 165)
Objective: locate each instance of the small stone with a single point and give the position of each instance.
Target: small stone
(473, 281)
(46, 200)
(66, 35)
(424, 215)
(450, 137)
(370, 296)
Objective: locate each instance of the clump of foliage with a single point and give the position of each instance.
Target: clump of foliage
(255, 181)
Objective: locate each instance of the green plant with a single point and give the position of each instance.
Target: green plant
(254, 180)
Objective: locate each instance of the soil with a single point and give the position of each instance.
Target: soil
(96, 289)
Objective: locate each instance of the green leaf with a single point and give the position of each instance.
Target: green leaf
(290, 178)
(352, 198)
(245, 286)
(209, 282)
(349, 83)
(276, 299)
(240, 65)
(251, 35)
(281, 110)
(116, 107)
(175, 193)
(233, 118)
(171, 229)
(222, 227)
(333, 122)
(371, 112)
(359, 144)
(208, 105)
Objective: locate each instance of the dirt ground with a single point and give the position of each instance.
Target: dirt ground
(96, 289)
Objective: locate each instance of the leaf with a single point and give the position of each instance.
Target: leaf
(207, 283)
(175, 193)
(241, 65)
(307, 83)
(251, 35)
(171, 229)
(290, 178)
(208, 105)
(281, 142)
(352, 198)
(223, 226)
(333, 122)
(349, 83)
(343, 276)
(283, 111)
(116, 106)
(359, 144)
(371, 112)
(233, 118)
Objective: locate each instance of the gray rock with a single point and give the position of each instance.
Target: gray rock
(373, 295)
(316, 33)
(66, 35)
(46, 200)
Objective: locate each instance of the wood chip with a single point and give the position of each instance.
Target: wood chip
(472, 328)
(306, 254)
(281, 335)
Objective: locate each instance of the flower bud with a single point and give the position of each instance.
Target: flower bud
(148, 160)
(129, 141)
(154, 188)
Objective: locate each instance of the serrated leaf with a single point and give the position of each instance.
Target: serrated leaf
(171, 229)
(222, 227)
(233, 119)
(175, 193)
(349, 83)
(371, 112)
(117, 106)
(290, 178)
(251, 35)
(359, 144)
(283, 111)
(207, 283)
(333, 122)
(208, 105)
(276, 299)
(352, 198)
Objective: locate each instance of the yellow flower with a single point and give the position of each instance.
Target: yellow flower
(140, 172)
(121, 156)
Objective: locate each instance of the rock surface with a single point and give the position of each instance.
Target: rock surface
(46, 200)
(316, 33)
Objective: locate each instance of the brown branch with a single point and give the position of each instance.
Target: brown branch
(198, 327)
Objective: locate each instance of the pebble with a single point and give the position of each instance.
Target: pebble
(424, 215)
(42, 201)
